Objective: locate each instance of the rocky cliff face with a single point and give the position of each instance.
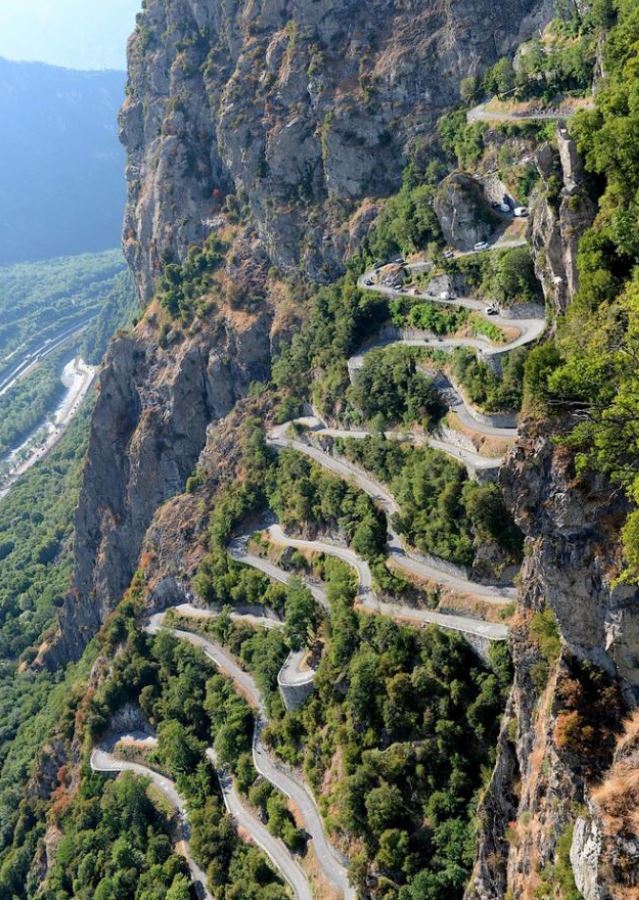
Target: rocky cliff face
(561, 212)
(149, 427)
(559, 735)
(290, 116)
(301, 109)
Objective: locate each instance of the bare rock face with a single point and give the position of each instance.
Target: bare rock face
(301, 109)
(560, 729)
(148, 430)
(560, 215)
(463, 212)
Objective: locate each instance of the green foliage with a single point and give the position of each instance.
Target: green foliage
(507, 276)
(462, 142)
(26, 405)
(302, 494)
(342, 316)
(408, 313)
(407, 796)
(441, 511)
(191, 706)
(116, 844)
(408, 222)
(486, 389)
(302, 616)
(42, 300)
(391, 387)
(184, 287)
(593, 373)
(544, 631)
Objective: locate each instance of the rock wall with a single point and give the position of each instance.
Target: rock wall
(302, 109)
(561, 212)
(559, 733)
(149, 427)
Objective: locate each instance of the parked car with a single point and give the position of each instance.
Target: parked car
(492, 310)
(448, 254)
(521, 212)
(445, 295)
(481, 245)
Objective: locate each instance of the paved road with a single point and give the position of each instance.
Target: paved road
(286, 780)
(274, 848)
(481, 114)
(196, 612)
(293, 672)
(237, 549)
(103, 761)
(529, 330)
(455, 401)
(474, 462)
(429, 569)
(77, 378)
(369, 600)
(21, 369)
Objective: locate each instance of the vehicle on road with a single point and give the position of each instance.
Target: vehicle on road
(521, 212)
(492, 310)
(481, 245)
(368, 282)
(448, 254)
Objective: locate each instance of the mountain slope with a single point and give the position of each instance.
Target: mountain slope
(61, 178)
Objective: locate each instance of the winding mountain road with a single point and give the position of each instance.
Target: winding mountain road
(333, 865)
(294, 672)
(528, 330)
(275, 849)
(427, 568)
(369, 600)
(104, 761)
(474, 462)
(480, 113)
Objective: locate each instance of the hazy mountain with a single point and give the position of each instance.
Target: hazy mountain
(74, 33)
(62, 176)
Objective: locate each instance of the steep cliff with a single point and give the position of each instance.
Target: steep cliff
(573, 681)
(159, 390)
(561, 212)
(290, 117)
(302, 110)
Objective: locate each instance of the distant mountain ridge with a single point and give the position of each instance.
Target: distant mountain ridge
(62, 184)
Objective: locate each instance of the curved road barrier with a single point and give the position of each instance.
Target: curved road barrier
(295, 679)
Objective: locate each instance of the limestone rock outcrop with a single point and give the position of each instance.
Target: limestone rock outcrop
(561, 212)
(301, 110)
(463, 211)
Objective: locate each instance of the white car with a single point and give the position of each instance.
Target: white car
(448, 254)
(481, 245)
(492, 310)
(521, 212)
